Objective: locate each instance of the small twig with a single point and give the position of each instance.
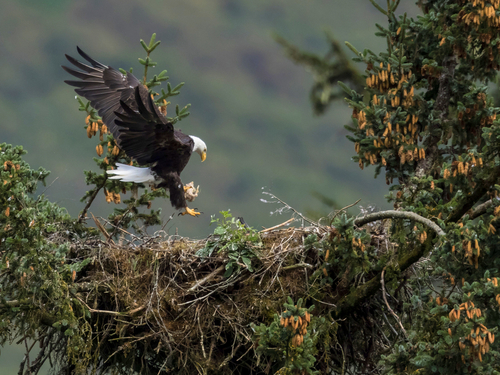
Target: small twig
(326, 303)
(101, 228)
(208, 294)
(21, 366)
(277, 226)
(298, 265)
(121, 229)
(168, 221)
(94, 194)
(117, 225)
(28, 350)
(201, 334)
(107, 312)
(47, 188)
(294, 210)
(41, 357)
(391, 214)
(390, 325)
(207, 278)
(387, 303)
(451, 291)
(343, 209)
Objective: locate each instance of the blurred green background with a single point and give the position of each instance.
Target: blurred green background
(249, 102)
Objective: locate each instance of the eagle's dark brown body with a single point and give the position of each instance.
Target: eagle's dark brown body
(139, 128)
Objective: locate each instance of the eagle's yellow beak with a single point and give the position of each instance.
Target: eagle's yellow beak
(203, 156)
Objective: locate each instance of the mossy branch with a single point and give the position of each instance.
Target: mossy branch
(391, 214)
(351, 301)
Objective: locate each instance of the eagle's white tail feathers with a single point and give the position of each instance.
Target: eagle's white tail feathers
(128, 173)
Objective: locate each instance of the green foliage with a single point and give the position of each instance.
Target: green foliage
(37, 267)
(238, 241)
(425, 118)
(289, 342)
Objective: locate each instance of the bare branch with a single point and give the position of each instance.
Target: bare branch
(91, 199)
(343, 209)
(387, 303)
(207, 278)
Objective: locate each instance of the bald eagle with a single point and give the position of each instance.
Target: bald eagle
(138, 127)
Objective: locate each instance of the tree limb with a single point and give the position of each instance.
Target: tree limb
(470, 200)
(481, 209)
(351, 301)
(391, 214)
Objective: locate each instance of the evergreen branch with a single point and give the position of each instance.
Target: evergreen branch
(391, 214)
(465, 205)
(352, 300)
(328, 70)
(379, 8)
(45, 319)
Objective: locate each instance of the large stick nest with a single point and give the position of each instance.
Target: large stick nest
(155, 305)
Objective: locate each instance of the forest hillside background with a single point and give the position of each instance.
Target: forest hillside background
(250, 103)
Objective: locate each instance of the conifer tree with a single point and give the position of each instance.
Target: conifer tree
(425, 118)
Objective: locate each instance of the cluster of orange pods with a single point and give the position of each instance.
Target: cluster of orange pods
(298, 325)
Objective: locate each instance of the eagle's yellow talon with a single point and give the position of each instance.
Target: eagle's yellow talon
(187, 187)
(191, 212)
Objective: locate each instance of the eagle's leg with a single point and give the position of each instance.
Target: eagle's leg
(190, 211)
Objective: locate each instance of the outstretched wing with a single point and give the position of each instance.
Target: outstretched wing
(148, 137)
(104, 87)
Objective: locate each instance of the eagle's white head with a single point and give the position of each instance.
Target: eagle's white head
(200, 147)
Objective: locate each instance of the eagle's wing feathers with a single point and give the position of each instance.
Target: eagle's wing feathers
(129, 111)
(104, 87)
(146, 134)
(95, 64)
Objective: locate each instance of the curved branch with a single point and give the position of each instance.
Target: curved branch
(391, 214)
